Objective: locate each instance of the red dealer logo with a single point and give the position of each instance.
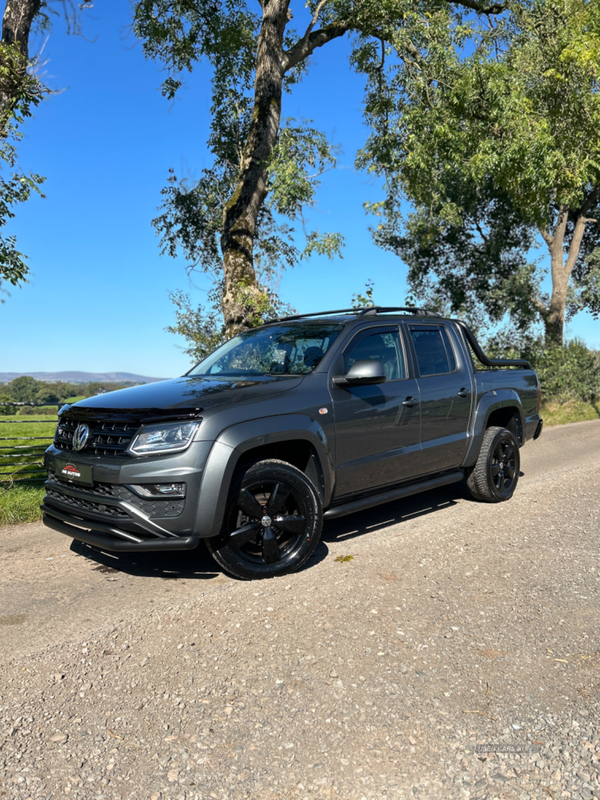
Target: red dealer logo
(71, 471)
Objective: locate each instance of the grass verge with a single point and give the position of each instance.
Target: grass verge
(20, 504)
(554, 413)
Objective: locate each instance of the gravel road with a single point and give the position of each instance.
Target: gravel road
(456, 654)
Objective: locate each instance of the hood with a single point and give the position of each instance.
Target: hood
(196, 392)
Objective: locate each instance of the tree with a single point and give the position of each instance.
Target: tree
(500, 153)
(228, 220)
(24, 389)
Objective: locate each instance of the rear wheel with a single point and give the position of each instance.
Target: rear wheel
(495, 476)
(272, 522)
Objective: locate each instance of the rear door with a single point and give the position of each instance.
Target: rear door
(445, 388)
(377, 428)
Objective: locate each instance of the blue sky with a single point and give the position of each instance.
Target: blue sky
(98, 295)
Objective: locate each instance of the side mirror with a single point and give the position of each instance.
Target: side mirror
(362, 373)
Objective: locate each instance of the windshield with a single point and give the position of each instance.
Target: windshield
(285, 349)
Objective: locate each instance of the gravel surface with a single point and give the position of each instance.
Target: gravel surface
(454, 655)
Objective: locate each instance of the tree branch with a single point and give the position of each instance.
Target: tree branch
(539, 306)
(313, 21)
(481, 8)
(589, 202)
(547, 237)
(305, 46)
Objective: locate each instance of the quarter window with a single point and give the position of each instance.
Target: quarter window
(434, 351)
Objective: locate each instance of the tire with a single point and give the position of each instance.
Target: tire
(272, 522)
(494, 477)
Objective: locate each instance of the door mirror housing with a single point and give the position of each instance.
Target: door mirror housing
(362, 373)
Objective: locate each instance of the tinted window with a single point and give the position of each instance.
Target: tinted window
(434, 352)
(384, 347)
(285, 349)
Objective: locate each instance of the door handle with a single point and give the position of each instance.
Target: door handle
(462, 393)
(410, 401)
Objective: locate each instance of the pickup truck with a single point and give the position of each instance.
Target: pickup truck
(303, 419)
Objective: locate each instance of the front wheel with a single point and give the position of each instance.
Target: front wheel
(272, 522)
(495, 476)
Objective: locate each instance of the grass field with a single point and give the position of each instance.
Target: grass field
(20, 503)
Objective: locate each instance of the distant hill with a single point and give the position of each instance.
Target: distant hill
(81, 377)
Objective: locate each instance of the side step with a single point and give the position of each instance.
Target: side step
(393, 494)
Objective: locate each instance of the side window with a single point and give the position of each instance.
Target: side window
(434, 351)
(384, 347)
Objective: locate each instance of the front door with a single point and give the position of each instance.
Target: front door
(377, 428)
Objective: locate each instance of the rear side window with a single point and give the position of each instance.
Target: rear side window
(434, 351)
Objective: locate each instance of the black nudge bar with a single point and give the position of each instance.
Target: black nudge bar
(489, 362)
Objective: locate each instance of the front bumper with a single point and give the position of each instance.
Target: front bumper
(110, 538)
(109, 515)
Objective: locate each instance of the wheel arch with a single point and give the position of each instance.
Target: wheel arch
(294, 438)
(502, 408)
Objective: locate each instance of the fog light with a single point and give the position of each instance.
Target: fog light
(159, 489)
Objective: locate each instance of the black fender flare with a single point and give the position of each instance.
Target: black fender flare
(488, 403)
(233, 442)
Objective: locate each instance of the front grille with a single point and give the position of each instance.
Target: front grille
(85, 505)
(109, 437)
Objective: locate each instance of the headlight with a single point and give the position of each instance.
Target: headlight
(169, 437)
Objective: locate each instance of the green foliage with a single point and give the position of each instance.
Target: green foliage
(569, 373)
(24, 389)
(204, 328)
(491, 129)
(34, 411)
(365, 299)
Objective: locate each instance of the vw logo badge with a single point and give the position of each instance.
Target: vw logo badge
(81, 436)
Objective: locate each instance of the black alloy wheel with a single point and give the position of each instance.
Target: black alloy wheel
(503, 466)
(272, 523)
(494, 477)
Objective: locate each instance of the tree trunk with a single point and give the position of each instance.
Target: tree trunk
(16, 27)
(16, 23)
(554, 315)
(242, 295)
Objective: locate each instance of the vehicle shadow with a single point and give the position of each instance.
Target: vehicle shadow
(191, 564)
(393, 513)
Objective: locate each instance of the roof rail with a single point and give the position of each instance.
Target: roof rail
(418, 312)
(360, 312)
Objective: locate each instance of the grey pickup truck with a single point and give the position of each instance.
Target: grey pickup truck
(303, 419)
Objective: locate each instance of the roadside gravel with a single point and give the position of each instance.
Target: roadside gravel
(457, 629)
